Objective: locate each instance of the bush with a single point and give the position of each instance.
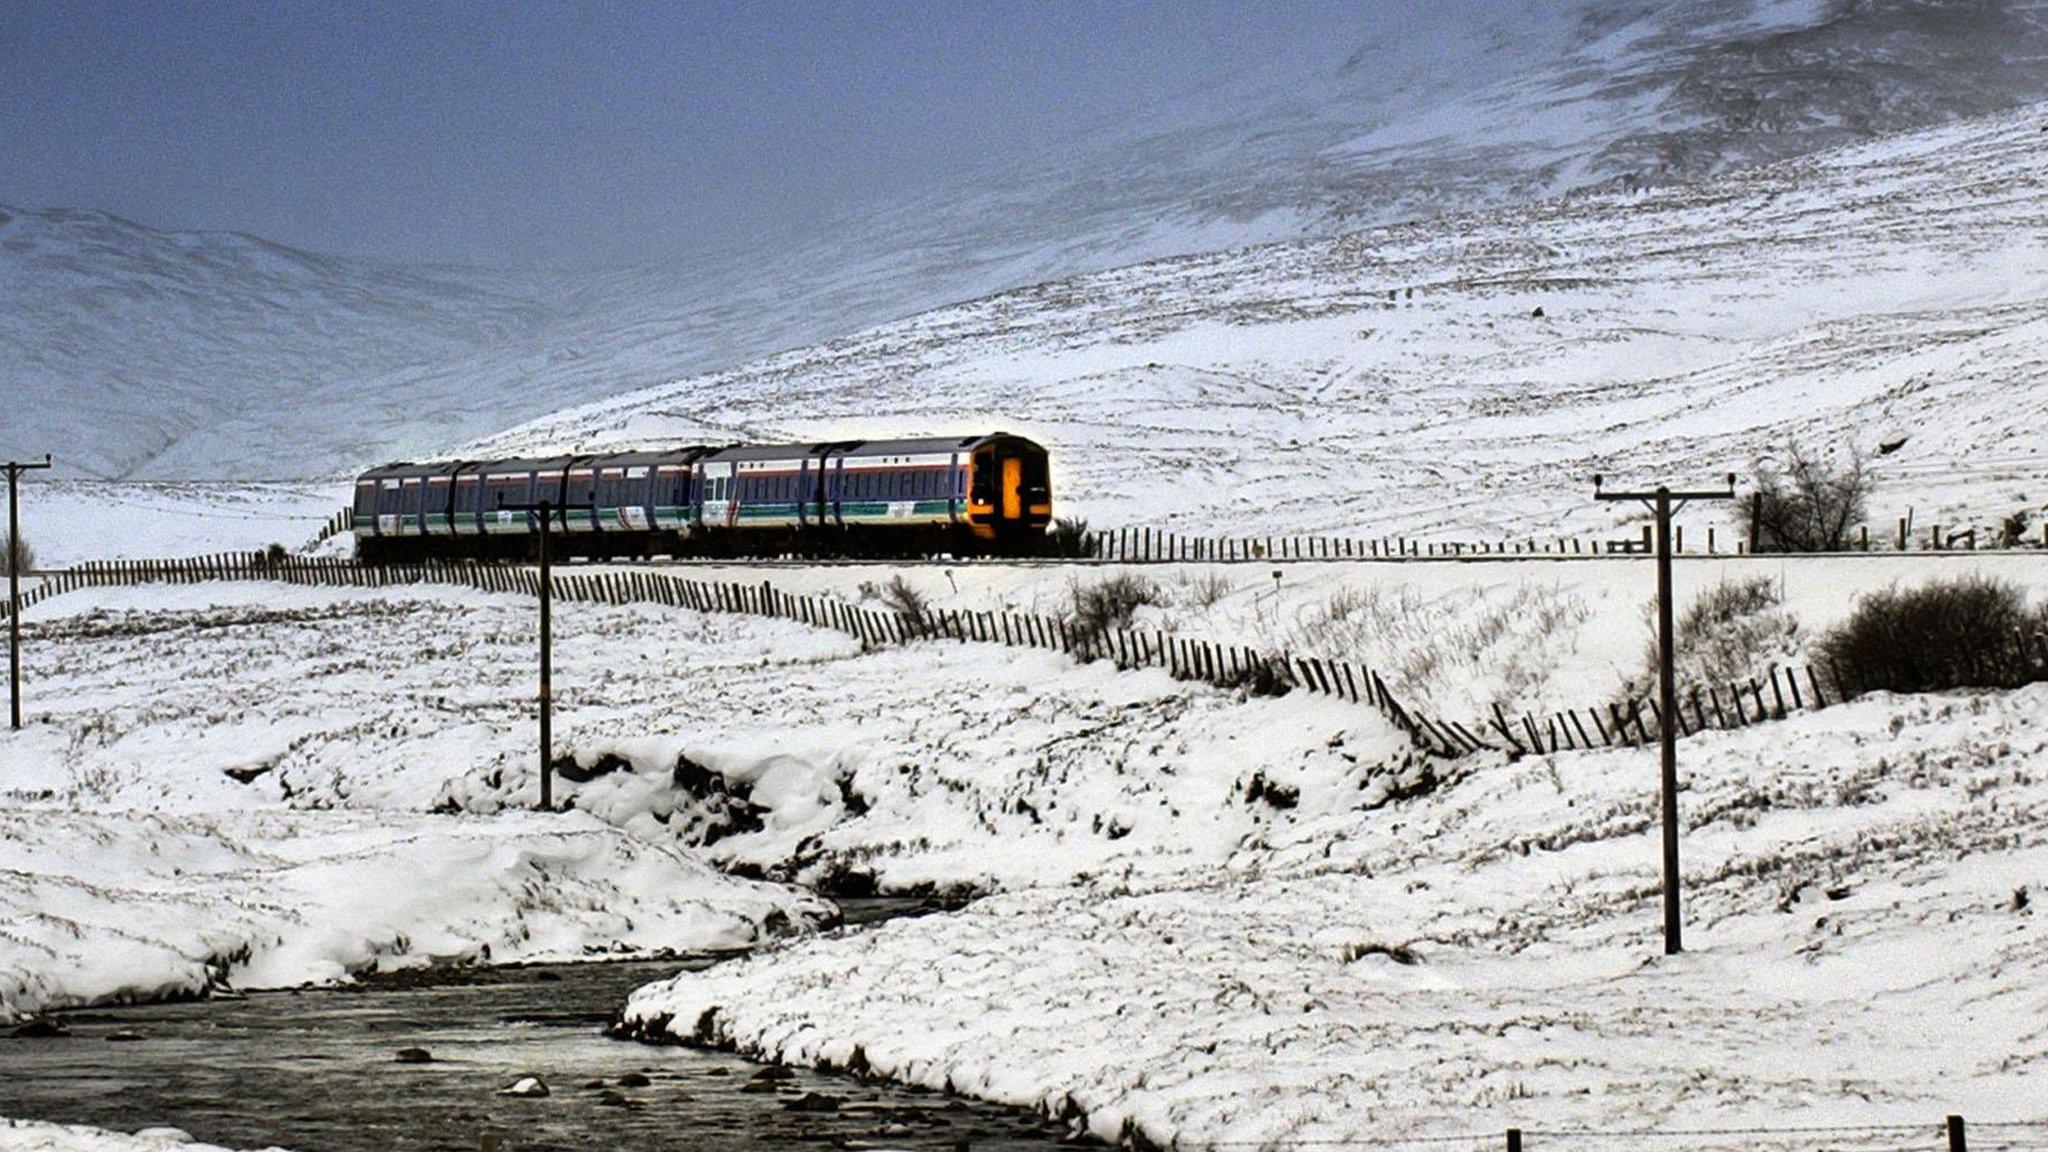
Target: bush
(1971, 632)
(1071, 538)
(1108, 606)
(899, 597)
(19, 557)
(1732, 632)
(1207, 589)
(1809, 506)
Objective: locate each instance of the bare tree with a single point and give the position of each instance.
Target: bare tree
(1809, 503)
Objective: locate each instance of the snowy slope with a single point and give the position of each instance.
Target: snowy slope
(1403, 379)
(35, 1136)
(1864, 948)
(128, 351)
(258, 785)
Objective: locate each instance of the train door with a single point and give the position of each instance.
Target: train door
(721, 490)
(411, 517)
(387, 506)
(1012, 507)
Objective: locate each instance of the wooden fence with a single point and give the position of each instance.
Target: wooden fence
(1185, 658)
(1777, 694)
(1158, 546)
(338, 524)
(1737, 704)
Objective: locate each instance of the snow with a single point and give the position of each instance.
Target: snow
(1863, 950)
(1396, 380)
(237, 785)
(132, 351)
(68, 521)
(299, 783)
(116, 905)
(1454, 637)
(34, 1136)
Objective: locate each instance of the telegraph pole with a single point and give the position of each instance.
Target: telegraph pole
(548, 509)
(1663, 502)
(15, 553)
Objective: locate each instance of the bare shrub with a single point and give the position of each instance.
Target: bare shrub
(1464, 649)
(1207, 589)
(1108, 606)
(1970, 632)
(899, 597)
(1261, 677)
(1071, 538)
(1808, 505)
(1733, 631)
(19, 556)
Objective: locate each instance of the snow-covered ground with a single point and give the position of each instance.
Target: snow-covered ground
(314, 780)
(34, 1136)
(67, 522)
(1863, 891)
(1218, 918)
(1401, 379)
(1452, 637)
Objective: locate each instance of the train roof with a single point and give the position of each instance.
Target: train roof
(771, 451)
(406, 469)
(664, 456)
(856, 449)
(922, 446)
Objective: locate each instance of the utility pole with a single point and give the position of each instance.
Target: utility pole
(15, 552)
(1663, 502)
(548, 510)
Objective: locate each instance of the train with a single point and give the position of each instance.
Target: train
(963, 495)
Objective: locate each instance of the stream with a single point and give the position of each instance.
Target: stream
(316, 1071)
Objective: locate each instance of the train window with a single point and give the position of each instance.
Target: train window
(366, 498)
(1035, 481)
(465, 494)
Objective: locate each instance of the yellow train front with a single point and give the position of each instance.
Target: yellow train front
(963, 495)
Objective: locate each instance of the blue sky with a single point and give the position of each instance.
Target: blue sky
(581, 134)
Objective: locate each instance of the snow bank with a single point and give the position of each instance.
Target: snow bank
(239, 758)
(36, 1136)
(946, 767)
(135, 905)
(235, 784)
(1863, 891)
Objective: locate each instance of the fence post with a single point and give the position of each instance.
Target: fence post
(1514, 1140)
(1955, 1134)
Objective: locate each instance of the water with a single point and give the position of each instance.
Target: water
(316, 1071)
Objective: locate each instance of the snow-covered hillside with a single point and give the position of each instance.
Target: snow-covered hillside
(1468, 375)
(132, 352)
(258, 785)
(1864, 949)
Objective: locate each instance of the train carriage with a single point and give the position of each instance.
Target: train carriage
(885, 497)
